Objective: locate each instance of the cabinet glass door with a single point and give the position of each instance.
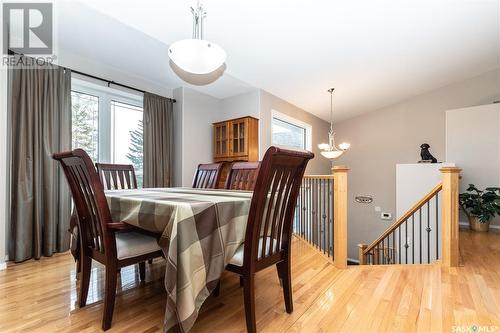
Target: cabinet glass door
(221, 138)
(239, 135)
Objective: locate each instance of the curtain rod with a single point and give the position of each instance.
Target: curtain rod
(111, 82)
(10, 52)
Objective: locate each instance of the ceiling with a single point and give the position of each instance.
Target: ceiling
(374, 52)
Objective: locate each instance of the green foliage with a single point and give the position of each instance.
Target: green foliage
(483, 204)
(84, 123)
(135, 154)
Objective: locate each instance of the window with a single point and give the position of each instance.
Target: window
(290, 132)
(107, 124)
(127, 144)
(85, 112)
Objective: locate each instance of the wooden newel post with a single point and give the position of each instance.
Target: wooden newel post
(451, 188)
(362, 256)
(340, 216)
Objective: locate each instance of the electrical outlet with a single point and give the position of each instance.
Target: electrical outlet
(386, 216)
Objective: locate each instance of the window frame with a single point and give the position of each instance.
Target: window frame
(295, 122)
(106, 96)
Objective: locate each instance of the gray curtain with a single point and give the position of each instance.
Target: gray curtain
(158, 140)
(40, 115)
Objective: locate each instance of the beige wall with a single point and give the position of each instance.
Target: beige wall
(269, 102)
(381, 139)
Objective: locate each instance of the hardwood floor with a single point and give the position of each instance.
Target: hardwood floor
(40, 296)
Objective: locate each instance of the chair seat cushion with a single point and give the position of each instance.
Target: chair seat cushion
(237, 259)
(132, 244)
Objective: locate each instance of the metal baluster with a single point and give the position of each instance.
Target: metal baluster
(309, 211)
(393, 247)
(437, 223)
(413, 239)
(399, 246)
(406, 241)
(420, 232)
(316, 223)
(302, 209)
(428, 233)
(325, 196)
(330, 218)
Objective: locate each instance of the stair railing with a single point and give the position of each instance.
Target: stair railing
(321, 214)
(427, 232)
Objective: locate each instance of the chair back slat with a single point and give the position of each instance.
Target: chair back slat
(117, 176)
(90, 201)
(273, 203)
(242, 176)
(207, 175)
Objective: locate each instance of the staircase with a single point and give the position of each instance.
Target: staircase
(426, 233)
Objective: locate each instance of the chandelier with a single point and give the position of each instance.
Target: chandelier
(196, 55)
(330, 150)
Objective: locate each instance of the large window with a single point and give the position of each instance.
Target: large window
(108, 125)
(290, 132)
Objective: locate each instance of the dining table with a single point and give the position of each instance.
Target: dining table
(199, 231)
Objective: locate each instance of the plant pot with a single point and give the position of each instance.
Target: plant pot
(477, 225)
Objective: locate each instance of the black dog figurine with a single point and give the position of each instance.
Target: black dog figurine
(425, 154)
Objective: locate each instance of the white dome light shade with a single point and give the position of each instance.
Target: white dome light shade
(197, 56)
(332, 154)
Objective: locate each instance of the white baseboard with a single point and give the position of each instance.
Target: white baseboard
(466, 224)
(3, 265)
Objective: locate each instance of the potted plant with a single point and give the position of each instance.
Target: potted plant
(480, 206)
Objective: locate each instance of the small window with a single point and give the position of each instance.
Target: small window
(290, 132)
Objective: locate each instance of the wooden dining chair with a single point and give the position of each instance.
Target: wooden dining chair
(269, 227)
(117, 176)
(207, 175)
(113, 177)
(242, 176)
(113, 244)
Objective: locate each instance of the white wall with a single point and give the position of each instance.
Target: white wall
(178, 95)
(242, 105)
(101, 70)
(383, 138)
(199, 111)
(473, 142)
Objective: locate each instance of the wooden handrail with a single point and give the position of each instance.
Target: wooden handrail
(404, 217)
(318, 176)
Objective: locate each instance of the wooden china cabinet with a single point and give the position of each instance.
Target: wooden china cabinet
(235, 140)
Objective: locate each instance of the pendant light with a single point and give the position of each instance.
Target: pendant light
(330, 150)
(196, 55)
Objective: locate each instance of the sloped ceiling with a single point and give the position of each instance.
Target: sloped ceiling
(375, 53)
